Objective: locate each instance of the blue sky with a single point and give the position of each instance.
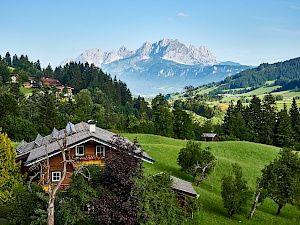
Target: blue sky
(249, 32)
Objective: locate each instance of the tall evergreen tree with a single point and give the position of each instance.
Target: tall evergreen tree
(284, 134)
(268, 119)
(47, 111)
(295, 119)
(227, 118)
(183, 125)
(48, 72)
(4, 73)
(253, 118)
(7, 59)
(237, 127)
(8, 105)
(84, 105)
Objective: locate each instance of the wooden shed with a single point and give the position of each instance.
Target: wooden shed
(210, 137)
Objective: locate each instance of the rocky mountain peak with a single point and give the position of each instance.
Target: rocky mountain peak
(168, 49)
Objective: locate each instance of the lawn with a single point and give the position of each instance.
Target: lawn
(251, 156)
(26, 91)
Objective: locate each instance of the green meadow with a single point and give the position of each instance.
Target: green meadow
(252, 157)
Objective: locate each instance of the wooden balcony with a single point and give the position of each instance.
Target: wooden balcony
(63, 187)
(98, 162)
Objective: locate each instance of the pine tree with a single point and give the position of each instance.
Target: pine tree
(295, 119)
(268, 119)
(227, 118)
(237, 127)
(47, 111)
(253, 118)
(10, 175)
(7, 59)
(284, 134)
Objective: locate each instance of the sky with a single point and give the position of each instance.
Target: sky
(249, 32)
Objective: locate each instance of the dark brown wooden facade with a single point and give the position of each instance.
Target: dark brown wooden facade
(86, 144)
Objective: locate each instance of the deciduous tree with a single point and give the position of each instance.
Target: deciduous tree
(235, 192)
(10, 175)
(281, 179)
(158, 202)
(196, 161)
(118, 203)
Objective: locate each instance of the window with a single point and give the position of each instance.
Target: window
(100, 150)
(56, 175)
(79, 151)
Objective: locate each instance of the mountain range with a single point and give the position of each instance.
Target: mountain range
(162, 67)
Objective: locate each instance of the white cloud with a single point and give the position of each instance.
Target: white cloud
(182, 15)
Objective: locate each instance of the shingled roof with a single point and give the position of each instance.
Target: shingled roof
(209, 135)
(183, 187)
(76, 134)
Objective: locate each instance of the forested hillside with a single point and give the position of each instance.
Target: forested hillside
(96, 96)
(282, 73)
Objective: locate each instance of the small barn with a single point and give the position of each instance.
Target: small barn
(210, 137)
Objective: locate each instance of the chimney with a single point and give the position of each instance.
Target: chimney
(92, 125)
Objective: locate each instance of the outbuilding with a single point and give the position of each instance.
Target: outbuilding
(210, 137)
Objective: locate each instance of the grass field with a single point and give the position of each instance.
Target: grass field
(26, 91)
(251, 156)
(260, 91)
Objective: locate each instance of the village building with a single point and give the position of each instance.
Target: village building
(66, 91)
(50, 82)
(45, 81)
(33, 83)
(14, 78)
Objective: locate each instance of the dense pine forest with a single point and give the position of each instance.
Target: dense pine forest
(261, 122)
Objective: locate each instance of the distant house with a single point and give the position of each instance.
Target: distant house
(33, 83)
(26, 85)
(87, 144)
(68, 91)
(210, 137)
(50, 82)
(14, 78)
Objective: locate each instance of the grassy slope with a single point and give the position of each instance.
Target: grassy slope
(260, 91)
(251, 156)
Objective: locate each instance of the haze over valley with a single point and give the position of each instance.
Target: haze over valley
(162, 67)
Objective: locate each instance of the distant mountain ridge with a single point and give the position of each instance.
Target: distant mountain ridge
(285, 74)
(161, 67)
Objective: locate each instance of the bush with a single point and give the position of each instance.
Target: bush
(4, 211)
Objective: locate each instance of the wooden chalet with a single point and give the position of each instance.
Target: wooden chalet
(14, 78)
(50, 82)
(210, 137)
(86, 144)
